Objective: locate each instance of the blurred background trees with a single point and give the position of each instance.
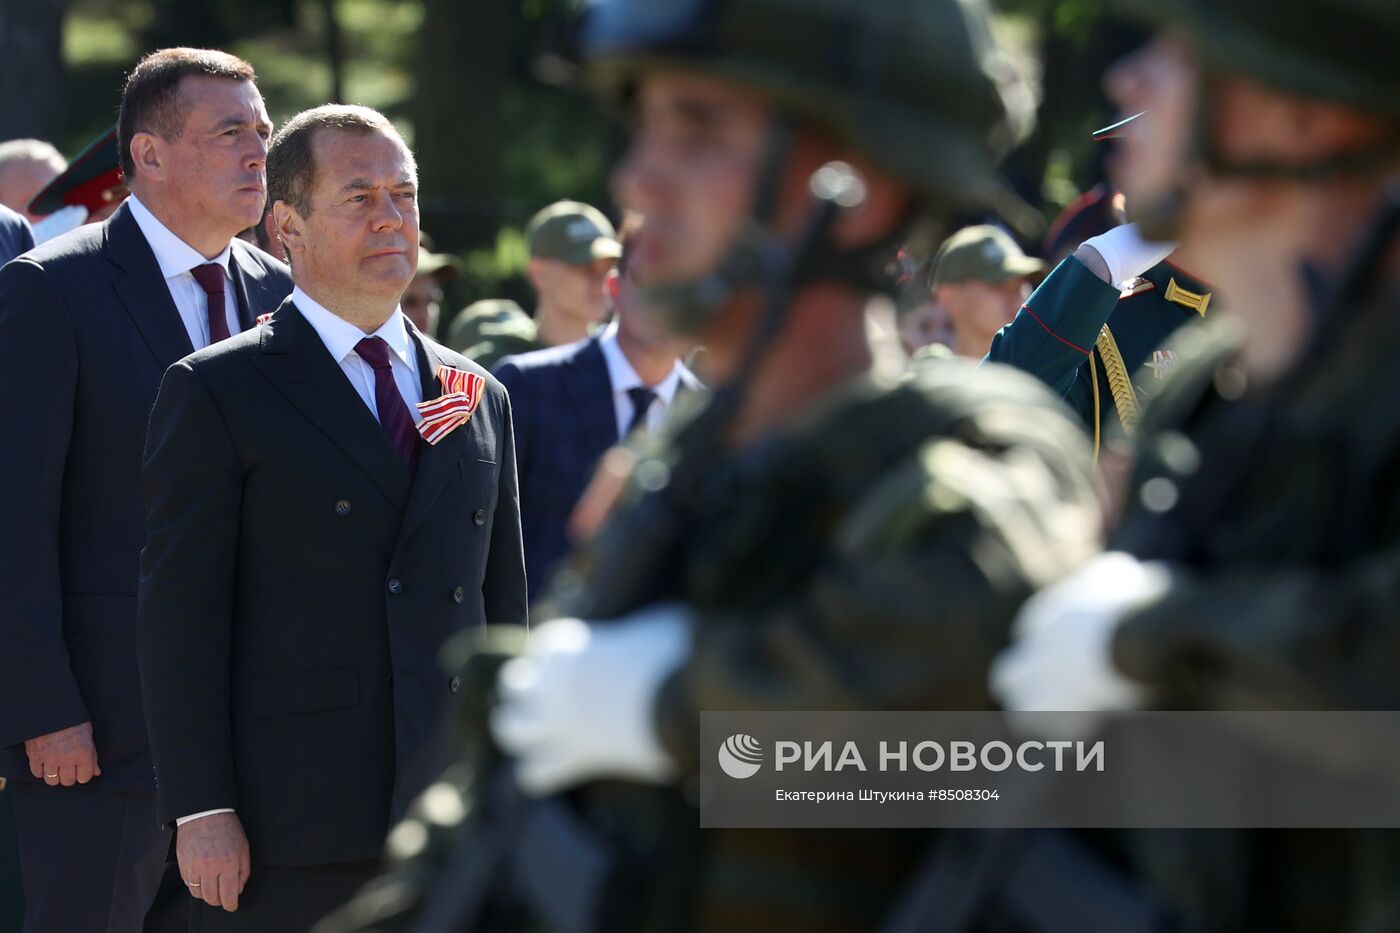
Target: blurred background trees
(494, 142)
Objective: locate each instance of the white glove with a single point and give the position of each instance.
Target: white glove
(59, 223)
(581, 703)
(1061, 657)
(1126, 253)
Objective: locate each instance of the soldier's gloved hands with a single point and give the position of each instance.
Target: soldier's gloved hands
(59, 223)
(580, 704)
(1061, 654)
(1126, 253)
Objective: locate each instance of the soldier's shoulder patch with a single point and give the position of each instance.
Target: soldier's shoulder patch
(1134, 287)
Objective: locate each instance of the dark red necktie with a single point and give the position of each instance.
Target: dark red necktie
(210, 277)
(394, 416)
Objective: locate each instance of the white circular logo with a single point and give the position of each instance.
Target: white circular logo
(740, 756)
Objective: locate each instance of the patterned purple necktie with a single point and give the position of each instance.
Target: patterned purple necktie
(210, 277)
(394, 416)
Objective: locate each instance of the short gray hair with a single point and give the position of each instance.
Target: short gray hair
(291, 167)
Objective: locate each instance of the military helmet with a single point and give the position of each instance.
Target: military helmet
(917, 86)
(1342, 51)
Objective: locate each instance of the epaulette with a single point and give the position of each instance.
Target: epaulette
(1134, 287)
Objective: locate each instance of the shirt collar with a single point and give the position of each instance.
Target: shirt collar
(340, 336)
(173, 255)
(624, 377)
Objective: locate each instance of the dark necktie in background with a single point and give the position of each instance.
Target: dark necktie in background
(394, 416)
(641, 397)
(210, 277)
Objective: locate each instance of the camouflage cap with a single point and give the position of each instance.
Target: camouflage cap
(572, 232)
(981, 254)
(1342, 51)
(488, 317)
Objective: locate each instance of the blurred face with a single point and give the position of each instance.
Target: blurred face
(979, 309)
(1151, 160)
(216, 169)
(21, 179)
(360, 240)
(691, 170)
(577, 291)
(926, 324)
(634, 322)
(423, 303)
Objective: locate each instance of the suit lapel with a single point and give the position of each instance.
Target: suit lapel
(143, 291)
(298, 364)
(591, 391)
(437, 464)
(242, 277)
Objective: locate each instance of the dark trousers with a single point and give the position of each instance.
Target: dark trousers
(91, 859)
(284, 900)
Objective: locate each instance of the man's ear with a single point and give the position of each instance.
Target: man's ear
(290, 227)
(148, 155)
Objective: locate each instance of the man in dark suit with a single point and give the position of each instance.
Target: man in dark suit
(309, 550)
(573, 402)
(88, 323)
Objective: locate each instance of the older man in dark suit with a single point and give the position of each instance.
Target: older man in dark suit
(574, 402)
(88, 323)
(329, 499)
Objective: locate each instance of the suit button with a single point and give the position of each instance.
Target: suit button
(395, 586)
(479, 518)
(342, 507)
(458, 595)
(454, 684)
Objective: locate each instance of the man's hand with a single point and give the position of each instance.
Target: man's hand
(212, 852)
(64, 757)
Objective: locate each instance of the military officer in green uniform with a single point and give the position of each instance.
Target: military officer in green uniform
(824, 535)
(1096, 329)
(1256, 566)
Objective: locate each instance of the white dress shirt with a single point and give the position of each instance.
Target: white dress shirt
(340, 337)
(624, 377)
(176, 258)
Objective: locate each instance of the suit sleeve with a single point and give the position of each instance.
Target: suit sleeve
(503, 589)
(184, 623)
(1053, 333)
(38, 385)
(514, 381)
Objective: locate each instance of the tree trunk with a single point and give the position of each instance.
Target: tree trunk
(458, 118)
(31, 68)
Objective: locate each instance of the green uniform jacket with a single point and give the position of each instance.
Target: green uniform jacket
(1099, 346)
(1281, 506)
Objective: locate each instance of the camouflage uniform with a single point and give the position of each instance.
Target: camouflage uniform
(1278, 504)
(867, 553)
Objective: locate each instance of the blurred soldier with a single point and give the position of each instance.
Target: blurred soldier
(488, 330)
(573, 247)
(88, 191)
(422, 303)
(823, 535)
(980, 277)
(1257, 562)
(26, 167)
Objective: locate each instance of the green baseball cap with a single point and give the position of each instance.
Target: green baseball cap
(572, 232)
(981, 254)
